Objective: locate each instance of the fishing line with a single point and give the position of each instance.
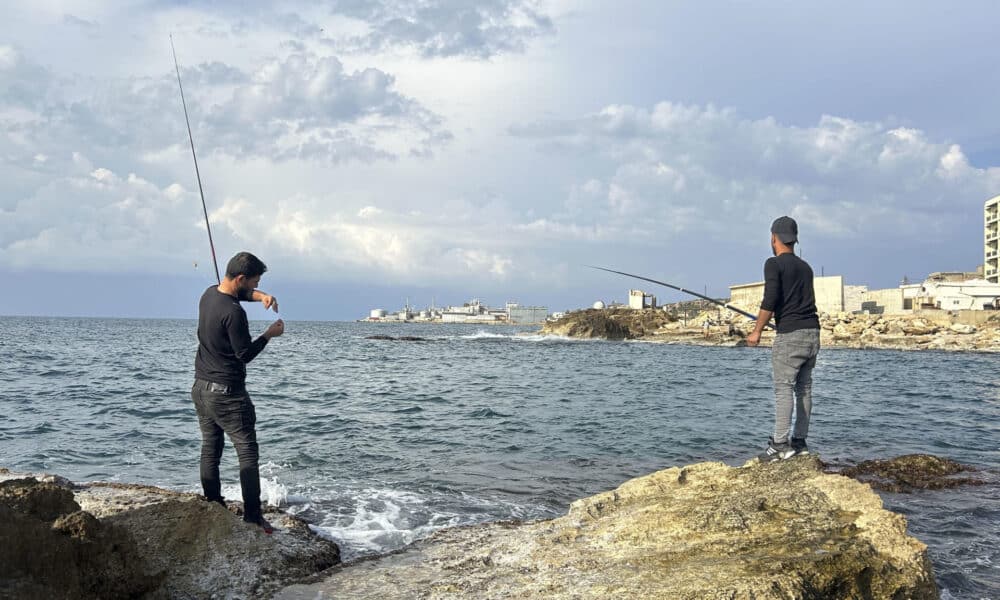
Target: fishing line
(215, 262)
(686, 291)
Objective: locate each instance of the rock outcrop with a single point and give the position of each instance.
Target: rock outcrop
(107, 540)
(610, 324)
(780, 530)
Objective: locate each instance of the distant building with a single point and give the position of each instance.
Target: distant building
(829, 293)
(526, 315)
(637, 300)
(991, 264)
(971, 294)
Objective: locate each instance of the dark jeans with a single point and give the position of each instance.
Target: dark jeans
(230, 411)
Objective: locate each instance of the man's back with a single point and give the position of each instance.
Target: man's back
(789, 293)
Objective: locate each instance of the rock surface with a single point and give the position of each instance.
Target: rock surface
(780, 530)
(938, 330)
(107, 540)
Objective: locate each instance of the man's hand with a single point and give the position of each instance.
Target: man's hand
(266, 299)
(275, 329)
(753, 339)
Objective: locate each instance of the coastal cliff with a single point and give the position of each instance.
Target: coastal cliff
(939, 330)
(110, 540)
(780, 530)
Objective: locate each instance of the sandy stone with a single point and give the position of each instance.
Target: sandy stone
(782, 530)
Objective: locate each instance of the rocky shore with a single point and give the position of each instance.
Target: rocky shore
(937, 330)
(110, 540)
(763, 531)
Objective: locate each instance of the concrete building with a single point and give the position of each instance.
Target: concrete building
(829, 293)
(991, 260)
(974, 294)
(526, 315)
(637, 300)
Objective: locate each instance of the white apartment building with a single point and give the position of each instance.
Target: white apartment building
(991, 262)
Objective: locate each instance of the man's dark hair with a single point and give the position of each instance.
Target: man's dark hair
(245, 264)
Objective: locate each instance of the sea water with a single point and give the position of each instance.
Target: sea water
(379, 442)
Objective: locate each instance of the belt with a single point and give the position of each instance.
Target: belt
(220, 388)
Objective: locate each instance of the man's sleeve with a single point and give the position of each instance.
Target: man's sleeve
(244, 348)
(772, 285)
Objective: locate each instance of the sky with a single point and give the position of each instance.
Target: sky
(379, 152)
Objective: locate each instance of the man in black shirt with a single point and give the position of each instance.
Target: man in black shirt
(219, 391)
(790, 298)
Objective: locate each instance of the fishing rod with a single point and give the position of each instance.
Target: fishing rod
(215, 262)
(680, 289)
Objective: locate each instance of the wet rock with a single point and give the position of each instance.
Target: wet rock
(49, 548)
(781, 530)
(911, 472)
(402, 338)
(112, 540)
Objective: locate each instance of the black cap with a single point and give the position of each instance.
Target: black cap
(786, 229)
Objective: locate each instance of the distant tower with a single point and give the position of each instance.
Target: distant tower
(991, 264)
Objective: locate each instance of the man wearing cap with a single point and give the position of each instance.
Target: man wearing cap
(790, 299)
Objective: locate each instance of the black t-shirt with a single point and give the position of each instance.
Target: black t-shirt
(224, 344)
(788, 291)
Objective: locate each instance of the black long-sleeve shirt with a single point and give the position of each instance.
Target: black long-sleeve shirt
(224, 343)
(788, 291)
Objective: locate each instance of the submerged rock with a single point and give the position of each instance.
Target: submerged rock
(108, 540)
(402, 338)
(781, 530)
(905, 474)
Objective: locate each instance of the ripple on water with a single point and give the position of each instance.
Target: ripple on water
(508, 427)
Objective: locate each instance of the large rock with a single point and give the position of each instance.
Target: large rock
(591, 323)
(49, 548)
(781, 530)
(108, 540)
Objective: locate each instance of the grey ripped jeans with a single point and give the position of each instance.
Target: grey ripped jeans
(793, 357)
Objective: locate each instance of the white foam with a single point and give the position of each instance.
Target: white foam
(272, 491)
(374, 520)
(534, 337)
(485, 335)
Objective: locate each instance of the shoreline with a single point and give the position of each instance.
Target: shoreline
(945, 332)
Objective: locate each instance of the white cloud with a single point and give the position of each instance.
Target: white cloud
(689, 168)
(303, 106)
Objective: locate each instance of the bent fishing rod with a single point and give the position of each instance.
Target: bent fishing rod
(215, 262)
(686, 291)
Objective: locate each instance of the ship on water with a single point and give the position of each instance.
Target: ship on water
(472, 312)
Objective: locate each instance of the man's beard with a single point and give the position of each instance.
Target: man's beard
(244, 294)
